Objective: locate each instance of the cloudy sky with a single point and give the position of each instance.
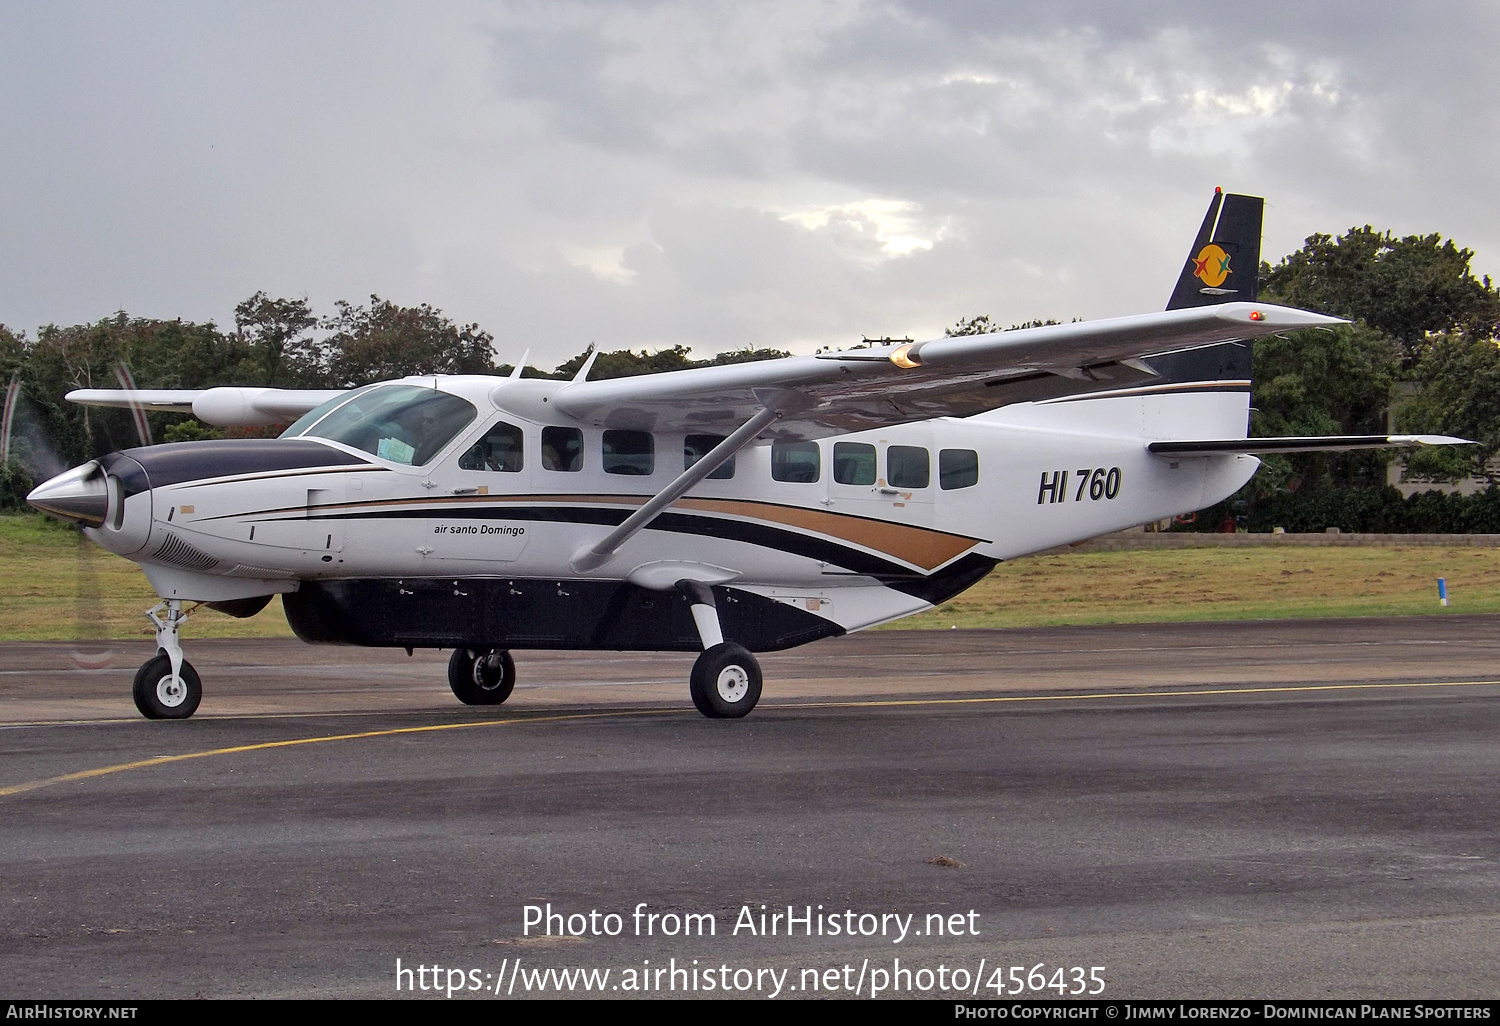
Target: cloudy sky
(716, 175)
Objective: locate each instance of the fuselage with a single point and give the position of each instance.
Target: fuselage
(384, 535)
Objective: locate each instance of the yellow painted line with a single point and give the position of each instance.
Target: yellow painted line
(162, 760)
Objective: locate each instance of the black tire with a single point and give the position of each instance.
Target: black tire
(725, 683)
(156, 696)
(480, 676)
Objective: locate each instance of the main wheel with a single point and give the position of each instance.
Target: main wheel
(480, 677)
(159, 697)
(726, 682)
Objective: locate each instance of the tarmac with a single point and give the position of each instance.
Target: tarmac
(1303, 809)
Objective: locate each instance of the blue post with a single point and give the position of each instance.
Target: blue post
(1442, 592)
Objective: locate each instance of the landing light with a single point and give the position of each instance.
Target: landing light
(903, 357)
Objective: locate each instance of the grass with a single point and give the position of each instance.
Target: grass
(55, 586)
(1166, 585)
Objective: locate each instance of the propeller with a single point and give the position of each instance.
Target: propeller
(24, 437)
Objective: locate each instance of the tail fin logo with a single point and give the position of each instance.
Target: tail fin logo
(1211, 265)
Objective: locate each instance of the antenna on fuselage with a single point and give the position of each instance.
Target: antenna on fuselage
(520, 364)
(588, 364)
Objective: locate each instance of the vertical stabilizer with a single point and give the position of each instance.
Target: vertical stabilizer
(1223, 265)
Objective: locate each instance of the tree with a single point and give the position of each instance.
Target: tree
(982, 325)
(1406, 288)
(623, 363)
(747, 355)
(277, 332)
(12, 352)
(384, 341)
(104, 354)
(1323, 383)
(1458, 393)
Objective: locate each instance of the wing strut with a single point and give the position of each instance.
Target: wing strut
(775, 402)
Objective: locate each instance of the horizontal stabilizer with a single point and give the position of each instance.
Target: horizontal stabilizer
(1316, 443)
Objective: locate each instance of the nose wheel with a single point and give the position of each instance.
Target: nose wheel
(161, 695)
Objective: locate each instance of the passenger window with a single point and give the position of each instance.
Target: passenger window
(562, 449)
(797, 462)
(908, 466)
(629, 452)
(695, 447)
(853, 463)
(958, 468)
(499, 449)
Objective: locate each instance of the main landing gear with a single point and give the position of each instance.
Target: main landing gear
(166, 686)
(725, 683)
(481, 676)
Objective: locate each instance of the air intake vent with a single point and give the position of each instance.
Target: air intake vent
(264, 573)
(179, 553)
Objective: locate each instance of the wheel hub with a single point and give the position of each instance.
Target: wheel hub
(171, 692)
(733, 683)
(489, 671)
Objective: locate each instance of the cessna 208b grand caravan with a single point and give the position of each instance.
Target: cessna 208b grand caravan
(727, 510)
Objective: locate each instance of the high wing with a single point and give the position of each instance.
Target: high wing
(864, 388)
(225, 406)
(830, 393)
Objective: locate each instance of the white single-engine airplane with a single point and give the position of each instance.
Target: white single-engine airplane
(733, 509)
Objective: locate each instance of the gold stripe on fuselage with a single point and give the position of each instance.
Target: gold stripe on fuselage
(921, 547)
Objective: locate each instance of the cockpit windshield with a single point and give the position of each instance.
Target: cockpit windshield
(401, 423)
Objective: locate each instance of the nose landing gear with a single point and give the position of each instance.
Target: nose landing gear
(160, 695)
(166, 686)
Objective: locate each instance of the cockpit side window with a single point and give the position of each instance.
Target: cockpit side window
(499, 450)
(317, 413)
(401, 423)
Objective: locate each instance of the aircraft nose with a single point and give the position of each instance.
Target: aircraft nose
(80, 495)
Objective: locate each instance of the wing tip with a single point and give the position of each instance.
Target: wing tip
(1429, 440)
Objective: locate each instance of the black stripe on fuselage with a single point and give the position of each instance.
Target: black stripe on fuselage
(181, 462)
(780, 539)
(935, 587)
